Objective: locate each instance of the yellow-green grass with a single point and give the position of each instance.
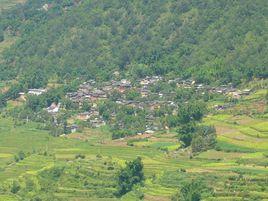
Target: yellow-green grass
(8, 198)
(158, 190)
(261, 127)
(170, 146)
(243, 132)
(243, 143)
(221, 155)
(29, 139)
(30, 165)
(256, 95)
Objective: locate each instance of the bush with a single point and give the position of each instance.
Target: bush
(186, 133)
(20, 156)
(129, 176)
(15, 187)
(81, 156)
(192, 191)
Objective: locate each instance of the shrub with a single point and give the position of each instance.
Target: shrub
(129, 176)
(192, 191)
(15, 187)
(81, 156)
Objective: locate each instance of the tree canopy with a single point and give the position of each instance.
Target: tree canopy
(211, 40)
(129, 176)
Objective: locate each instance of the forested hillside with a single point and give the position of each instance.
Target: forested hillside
(209, 40)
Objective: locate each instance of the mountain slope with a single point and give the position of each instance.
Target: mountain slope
(210, 40)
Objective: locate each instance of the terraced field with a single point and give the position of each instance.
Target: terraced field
(237, 170)
(83, 166)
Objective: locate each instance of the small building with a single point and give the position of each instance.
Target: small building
(246, 92)
(37, 92)
(235, 94)
(219, 107)
(84, 116)
(74, 128)
(22, 96)
(97, 123)
(149, 132)
(54, 108)
(116, 73)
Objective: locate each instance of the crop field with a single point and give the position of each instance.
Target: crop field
(83, 166)
(236, 170)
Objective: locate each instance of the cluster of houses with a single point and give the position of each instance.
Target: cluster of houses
(93, 117)
(227, 90)
(148, 100)
(94, 92)
(89, 90)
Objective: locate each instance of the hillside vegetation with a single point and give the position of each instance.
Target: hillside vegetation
(212, 41)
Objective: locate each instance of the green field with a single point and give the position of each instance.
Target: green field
(236, 170)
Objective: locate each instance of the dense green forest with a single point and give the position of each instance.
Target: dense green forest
(213, 41)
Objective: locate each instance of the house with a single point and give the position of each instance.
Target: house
(154, 105)
(149, 132)
(84, 116)
(116, 73)
(123, 85)
(46, 7)
(246, 91)
(53, 108)
(73, 128)
(150, 80)
(200, 86)
(144, 92)
(98, 94)
(235, 94)
(37, 92)
(219, 107)
(144, 82)
(22, 96)
(107, 88)
(97, 122)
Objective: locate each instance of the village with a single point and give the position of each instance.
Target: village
(144, 99)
